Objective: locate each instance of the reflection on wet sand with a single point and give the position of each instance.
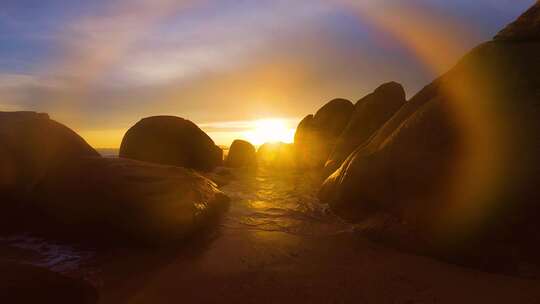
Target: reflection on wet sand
(276, 245)
(283, 201)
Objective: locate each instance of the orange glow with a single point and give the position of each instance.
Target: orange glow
(103, 138)
(270, 130)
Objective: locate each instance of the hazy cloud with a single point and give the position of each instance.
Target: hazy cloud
(100, 66)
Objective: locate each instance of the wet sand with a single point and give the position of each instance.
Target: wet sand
(276, 244)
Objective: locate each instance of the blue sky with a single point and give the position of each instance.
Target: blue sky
(101, 65)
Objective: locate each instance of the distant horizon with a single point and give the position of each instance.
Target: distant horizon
(222, 133)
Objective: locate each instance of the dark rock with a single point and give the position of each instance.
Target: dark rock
(370, 113)
(457, 167)
(122, 201)
(241, 154)
(525, 28)
(170, 140)
(54, 183)
(26, 284)
(31, 145)
(316, 135)
(279, 155)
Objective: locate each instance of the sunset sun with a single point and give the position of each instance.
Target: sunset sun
(270, 130)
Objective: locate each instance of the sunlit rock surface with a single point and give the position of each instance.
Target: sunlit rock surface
(20, 283)
(171, 140)
(241, 154)
(455, 172)
(370, 113)
(316, 135)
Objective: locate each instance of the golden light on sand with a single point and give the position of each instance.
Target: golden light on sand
(270, 130)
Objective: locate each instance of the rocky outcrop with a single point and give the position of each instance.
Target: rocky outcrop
(526, 28)
(241, 154)
(170, 140)
(316, 135)
(20, 283)
(278, 155)
(54, 183)
(31, 146)
(453, 173)
(122, 200)
(370, 113)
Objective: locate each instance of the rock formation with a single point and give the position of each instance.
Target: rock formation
(370, 113)
(170, 140)
(54, 183)
(127, 200)
(526, 28)
(454, 172)
(241, 154)
(31, 146)
(316, 135)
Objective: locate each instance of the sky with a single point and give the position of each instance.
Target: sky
(99, 66)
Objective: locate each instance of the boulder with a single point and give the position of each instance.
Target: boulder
(122, 201)
(54, 183)
(20, 283)
(526, 28)
(31, 146)
(370, 113)
(316, 135)
(241, 154)
(170, 140)
(278, 155)
(454, 172)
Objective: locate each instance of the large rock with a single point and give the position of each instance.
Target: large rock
(54, 183)
(455, 172)
(316, 135)
(26, 284)
(241, 154)
(170, 140)
(122, 200)
(526, 28)
(370, 113)
(31, 147)
(277, 155)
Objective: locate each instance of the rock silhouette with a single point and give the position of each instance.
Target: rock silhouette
(20, 283)
(453, 172)
(241, 154)
(370, 113)
(526, 28)
(316, 135)
(32, 145)
(127, 201)
(57, 185)
(170, 140)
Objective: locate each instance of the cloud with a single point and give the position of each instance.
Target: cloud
(219, 60)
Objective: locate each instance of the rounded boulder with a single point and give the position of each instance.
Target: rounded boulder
(171, 140)
(241, 154)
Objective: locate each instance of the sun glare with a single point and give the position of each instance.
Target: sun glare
(270, 130)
